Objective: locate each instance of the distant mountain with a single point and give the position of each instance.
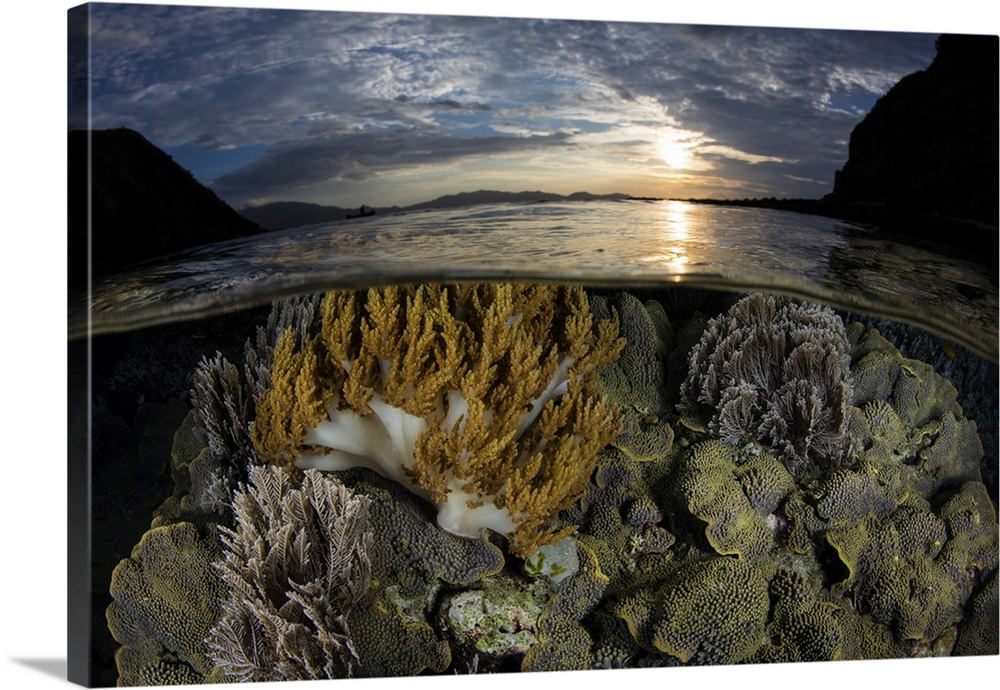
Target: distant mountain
(491, 197)
(142, 204)
(286, 214)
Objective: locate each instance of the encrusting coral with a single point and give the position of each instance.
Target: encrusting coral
(166, 599)
(391, 627)
(735, 494)
(711, 611)
(480, 398)
(635, 381)
(295, 564)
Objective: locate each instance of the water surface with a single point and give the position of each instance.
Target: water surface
(608, 243)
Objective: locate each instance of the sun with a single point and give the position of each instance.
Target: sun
(674, 152)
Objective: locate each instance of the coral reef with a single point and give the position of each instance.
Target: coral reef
(482, 399)
(773, 370)
(925, 430)
(224, 396)
(392, 626)
(295, 565)
(735, 494)
(709, 611)
(635, 381)
(564, 643)
(820, 499)
(167, 597)
(203, 481)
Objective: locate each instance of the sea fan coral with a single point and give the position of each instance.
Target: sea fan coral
(480, 398)
(224, 396)
(777, 371)
(295, 565)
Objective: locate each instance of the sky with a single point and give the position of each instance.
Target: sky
(350, 108)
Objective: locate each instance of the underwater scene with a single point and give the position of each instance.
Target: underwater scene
(348, 400)
(499, 477)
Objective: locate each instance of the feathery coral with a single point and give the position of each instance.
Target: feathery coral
(774, 370)
(295, 564)
(482, 399)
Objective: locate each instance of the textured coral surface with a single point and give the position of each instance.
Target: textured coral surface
(815, 495)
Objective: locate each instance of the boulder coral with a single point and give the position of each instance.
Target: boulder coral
(479, 398)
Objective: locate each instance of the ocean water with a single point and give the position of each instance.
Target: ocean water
(627, 243)
(147, 329)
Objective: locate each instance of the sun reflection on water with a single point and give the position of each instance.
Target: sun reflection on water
(673, 239)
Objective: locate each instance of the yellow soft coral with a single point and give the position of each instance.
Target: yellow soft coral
(480, 398)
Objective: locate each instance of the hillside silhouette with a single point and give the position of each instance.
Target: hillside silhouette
(279, 215)
(930, 144)
(143, 205)
(923, 163)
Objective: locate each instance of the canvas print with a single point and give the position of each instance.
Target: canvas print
(412, 344)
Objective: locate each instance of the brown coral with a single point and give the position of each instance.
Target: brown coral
(708, 611)
(166, 599)
(734, 495)
(635, 381)
(482, 399)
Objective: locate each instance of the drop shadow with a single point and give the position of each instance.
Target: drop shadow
(50, 667)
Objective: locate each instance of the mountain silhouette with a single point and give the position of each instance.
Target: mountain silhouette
(142, 204)
(279, 215)
(929, 145)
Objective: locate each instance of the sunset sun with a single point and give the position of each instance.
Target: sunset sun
(675, 153)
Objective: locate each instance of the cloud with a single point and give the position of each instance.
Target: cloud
(367, 154)
(336, 95)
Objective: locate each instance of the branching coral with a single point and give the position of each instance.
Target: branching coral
(482, 399)
(225, 396)
(295, 564)
(774, 370)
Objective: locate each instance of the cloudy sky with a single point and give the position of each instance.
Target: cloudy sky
(350, 108)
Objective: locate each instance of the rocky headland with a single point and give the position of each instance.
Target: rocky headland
(923, 163)
(139, 204)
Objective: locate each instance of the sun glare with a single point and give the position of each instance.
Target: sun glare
(674, 153)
